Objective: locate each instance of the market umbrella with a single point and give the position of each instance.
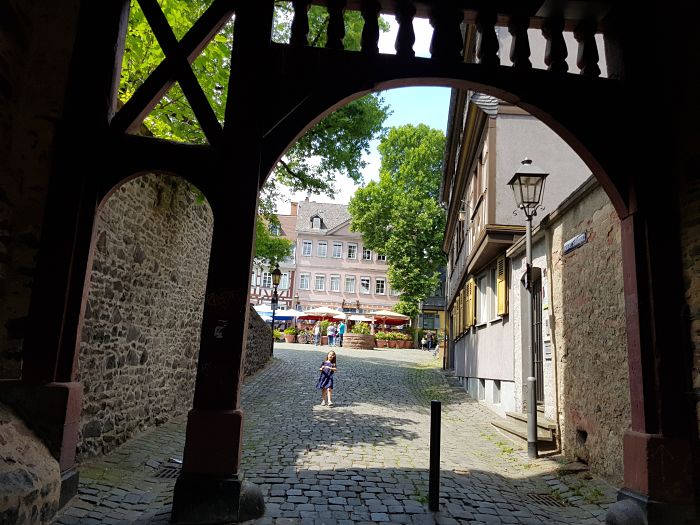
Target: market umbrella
(320, 313)
(389, 317)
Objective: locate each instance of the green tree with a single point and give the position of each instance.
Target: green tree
(400, 215)
(270, 249)
(332, 148)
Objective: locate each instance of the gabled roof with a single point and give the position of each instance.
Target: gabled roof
(288, 224)
(332, 216)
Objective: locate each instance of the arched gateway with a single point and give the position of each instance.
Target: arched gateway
(276, 92)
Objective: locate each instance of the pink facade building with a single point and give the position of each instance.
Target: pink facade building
(333, 268)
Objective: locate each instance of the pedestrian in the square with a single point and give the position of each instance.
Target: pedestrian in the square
(341, 332)
(317, 334)
(430, 340)
(423, 342)
(325, 381)
(331, 334)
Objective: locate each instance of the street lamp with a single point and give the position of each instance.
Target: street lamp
(528, 185)
(276, 278)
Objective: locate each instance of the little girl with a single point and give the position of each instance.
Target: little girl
(325, 382)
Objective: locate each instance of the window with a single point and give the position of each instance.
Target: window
(316, 222)
(266, 280)
(381, 257)
(492, 299)
(252, 279)
(306, 250)
(364, 284)
(366, 254)
(322, 249)
(379, 286)
(320, 282)
(350, 285)
(335, 283)
(304, 281)
(274, 229)
(352, 251)
(431, 321)
(284, 283)
(337, 250)
(481, 299)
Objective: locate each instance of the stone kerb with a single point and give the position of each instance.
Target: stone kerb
(359, 341)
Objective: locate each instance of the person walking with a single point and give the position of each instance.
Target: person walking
(430, 340)
(341, 332)
(317, 334)
(325, 381)
(331, 334)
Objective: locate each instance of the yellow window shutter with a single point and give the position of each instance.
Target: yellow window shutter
(470, 302)
(501, 286)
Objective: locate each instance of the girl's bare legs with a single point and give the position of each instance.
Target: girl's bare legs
(323, 396)
(329, 393)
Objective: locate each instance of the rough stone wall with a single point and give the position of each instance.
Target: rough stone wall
(259, 343)
(140, 338)
(690, 242)
(30, 479)
(30, 108)
(590, 337)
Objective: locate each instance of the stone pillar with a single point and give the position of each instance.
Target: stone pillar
(210, 489)
(658, 449)
(47, 396)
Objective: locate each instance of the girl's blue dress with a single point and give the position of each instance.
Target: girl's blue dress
(326, 379)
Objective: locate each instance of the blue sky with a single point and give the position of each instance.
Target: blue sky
(427, 105)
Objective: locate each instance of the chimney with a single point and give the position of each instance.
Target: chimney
(295, 206)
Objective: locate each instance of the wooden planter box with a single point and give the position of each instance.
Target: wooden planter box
(359, 341)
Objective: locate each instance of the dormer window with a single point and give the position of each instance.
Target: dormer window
(316, 222)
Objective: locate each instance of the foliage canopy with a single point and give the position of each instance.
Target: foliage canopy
(400, 215)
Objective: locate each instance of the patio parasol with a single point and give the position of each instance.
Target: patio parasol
(319, 314)
(387, 317)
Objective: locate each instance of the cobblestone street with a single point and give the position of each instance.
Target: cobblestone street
(365, 460)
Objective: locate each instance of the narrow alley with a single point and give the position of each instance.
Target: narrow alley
(364, 460)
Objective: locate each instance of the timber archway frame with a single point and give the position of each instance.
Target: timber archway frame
(278, 91)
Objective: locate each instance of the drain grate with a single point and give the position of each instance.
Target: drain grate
(546, 500)
(168, 471)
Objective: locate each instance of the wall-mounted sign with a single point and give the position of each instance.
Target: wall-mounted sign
(575, 242)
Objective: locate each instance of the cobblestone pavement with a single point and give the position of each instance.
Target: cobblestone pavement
(364, 460)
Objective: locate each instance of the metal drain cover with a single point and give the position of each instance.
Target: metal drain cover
(546, 500)
(168, 471)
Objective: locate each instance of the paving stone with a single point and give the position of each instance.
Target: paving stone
(364, 461)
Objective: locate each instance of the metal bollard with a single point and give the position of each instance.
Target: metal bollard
(434, 480)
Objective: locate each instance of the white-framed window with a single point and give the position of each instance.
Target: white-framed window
(337, 250)
(320, 282)
(352, 251)
(481, 299)
(364, 284)
(350, 284)
(335, 283)
(381, 257)
(492, 294)
(304, 281)
(267, 280)
(379, 286)
(274, 229)
(307, 248)
(316, 222)
(366, 254)
(322, 248)
(252, 279)
(284, 282)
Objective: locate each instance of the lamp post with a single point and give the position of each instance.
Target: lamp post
(276, 277)
(528, 186)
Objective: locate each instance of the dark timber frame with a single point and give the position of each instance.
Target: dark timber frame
(277, 91)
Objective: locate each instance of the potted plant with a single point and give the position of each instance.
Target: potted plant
(290, 334)
(381, 339)
(277, 335)
(324, 332)
(391, 339)
(404, 340)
